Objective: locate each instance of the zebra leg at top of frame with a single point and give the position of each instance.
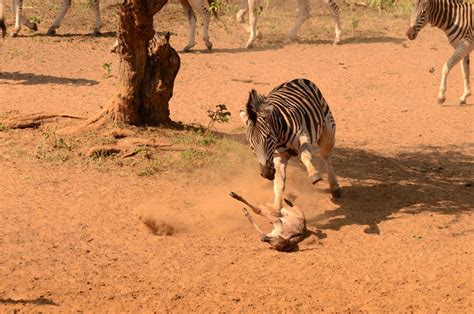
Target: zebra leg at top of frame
(303, 15)
(17, 7)
(454, 17)
(289, 121)
(202, 7)
(66, 4)
(3, 26)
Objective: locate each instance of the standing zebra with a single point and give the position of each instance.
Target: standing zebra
(17, 6)
(454, 17)
(285, 123)
(303, 14)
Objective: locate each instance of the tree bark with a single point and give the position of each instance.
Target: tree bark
(148, 67)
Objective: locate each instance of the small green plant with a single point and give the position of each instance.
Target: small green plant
(35, 19)
(220, 115)
(354, 23)
(215, 6)
(108, 69)
(2, 127)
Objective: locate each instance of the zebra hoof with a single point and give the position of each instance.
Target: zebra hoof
(34, 27)
(337, 42)
(51, 32)
(209, 45)
(315, 178)
(461, 103)
(336, 193)
(441, 100)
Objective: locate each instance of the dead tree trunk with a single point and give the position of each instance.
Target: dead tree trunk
(148, 67)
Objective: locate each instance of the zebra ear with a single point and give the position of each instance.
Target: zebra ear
(253, 105)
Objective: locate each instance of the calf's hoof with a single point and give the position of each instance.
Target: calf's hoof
(461, 102)
(208, 45)
(34, 27)
(96, 32)
(13, 35)
(51, 32)
(337, 42)
(336, 193)
(441, 100)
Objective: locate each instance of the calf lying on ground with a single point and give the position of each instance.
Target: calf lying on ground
(288, 230)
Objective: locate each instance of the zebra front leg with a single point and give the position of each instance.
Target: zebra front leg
(462, 50)
(305, 156)
(66, 4)
(98, 20)
(17, 6)
(252, 7)
(188, 11)
(244, 6)
(327, 141)
(280, 162)
(303, 15)
(203, 8)
(465, 67)
(334, 8)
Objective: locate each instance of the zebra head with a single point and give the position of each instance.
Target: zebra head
(418, 19)
(258, 119)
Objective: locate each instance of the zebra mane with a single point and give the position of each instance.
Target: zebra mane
(256, 105)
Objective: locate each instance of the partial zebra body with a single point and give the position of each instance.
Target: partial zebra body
(17, 6)
(3, 26)
(189, 7)
(303, 14)
(455, 18)
(285, 123)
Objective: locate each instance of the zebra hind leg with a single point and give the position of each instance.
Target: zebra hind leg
(66, 4)
(203, 8)
(303, 15)
(327, 144)
(465, 67)
(334, 8)
(98, 20)
(188, 11)
(462, 50)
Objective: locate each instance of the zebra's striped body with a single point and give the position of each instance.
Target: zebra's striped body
(17, 6)
(455, 18)
(303, 14)
(285, 123)
(189, 6)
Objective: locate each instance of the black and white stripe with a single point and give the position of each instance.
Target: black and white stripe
(303, 14)
(285, 123)
(454, 17)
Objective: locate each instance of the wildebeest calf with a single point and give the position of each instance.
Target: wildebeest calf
(288, 230)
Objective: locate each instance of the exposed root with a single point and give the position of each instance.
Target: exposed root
(34, 120)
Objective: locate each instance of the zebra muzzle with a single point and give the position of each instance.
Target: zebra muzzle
(411, 33)
(267, 171)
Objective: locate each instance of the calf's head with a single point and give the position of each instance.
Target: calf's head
(258, 119)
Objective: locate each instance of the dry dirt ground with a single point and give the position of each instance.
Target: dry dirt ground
(400, 239)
